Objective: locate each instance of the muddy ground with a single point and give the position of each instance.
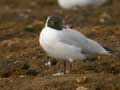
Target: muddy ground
(22, 61)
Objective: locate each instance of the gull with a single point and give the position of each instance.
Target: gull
(74, 4)
(68, 44)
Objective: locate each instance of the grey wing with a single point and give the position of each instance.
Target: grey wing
(92, 47)
(73, 37)
(87, 45)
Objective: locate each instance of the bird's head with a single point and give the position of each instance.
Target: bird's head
(55, 22)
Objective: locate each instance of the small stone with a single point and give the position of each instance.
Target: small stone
(82, 80)
(58, 74)
(34, 58)
(11, 81)
(22, 76)
(102, 20)
(82, 88)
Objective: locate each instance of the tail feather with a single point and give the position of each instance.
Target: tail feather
(109, 50)
(113, 52)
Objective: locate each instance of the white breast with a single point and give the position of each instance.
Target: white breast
(47, 39)
(50, 41)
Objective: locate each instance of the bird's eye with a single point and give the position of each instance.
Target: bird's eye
(53, 23)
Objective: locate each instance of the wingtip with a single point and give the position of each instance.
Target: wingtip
(109, 50)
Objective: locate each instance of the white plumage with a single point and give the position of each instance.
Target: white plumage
(69, 44)
(73, 4)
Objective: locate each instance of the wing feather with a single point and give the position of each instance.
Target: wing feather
(77, 39)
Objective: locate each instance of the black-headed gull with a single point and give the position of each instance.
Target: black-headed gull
(74, 4)
(68, 44)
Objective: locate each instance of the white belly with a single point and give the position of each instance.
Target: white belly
(60, 52)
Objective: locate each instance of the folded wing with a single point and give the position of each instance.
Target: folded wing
(77, 39)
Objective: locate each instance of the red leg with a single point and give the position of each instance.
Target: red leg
(70, 66)
(65, 66)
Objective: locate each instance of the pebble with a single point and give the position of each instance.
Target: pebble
(82, 80)
(82, 88)
(58, 74)
(22, 76)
